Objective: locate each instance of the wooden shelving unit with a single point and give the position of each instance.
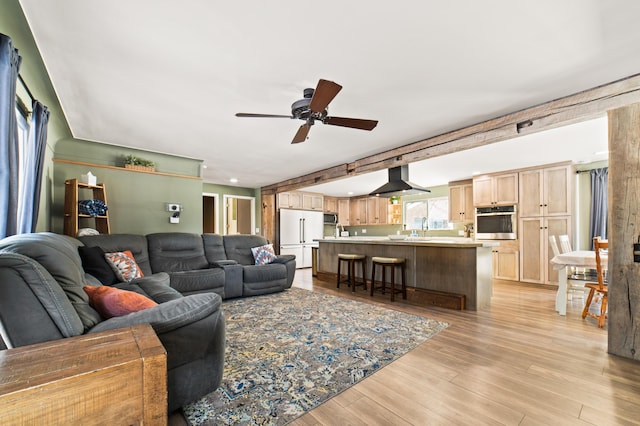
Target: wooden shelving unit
(71, 215)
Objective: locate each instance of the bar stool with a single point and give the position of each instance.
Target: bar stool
(392, 263)
(351, 260)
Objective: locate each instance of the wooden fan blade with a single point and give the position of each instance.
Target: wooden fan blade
(246, 114)
(355, 123)
(324, 93)
(302, 133)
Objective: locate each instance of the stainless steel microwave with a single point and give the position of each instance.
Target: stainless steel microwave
(496, 223)
(330, 218)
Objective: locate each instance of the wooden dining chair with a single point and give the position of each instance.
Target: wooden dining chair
(599, 287)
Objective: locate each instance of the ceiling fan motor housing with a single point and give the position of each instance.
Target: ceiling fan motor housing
(300, 108)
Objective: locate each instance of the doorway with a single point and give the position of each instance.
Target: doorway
(239, 214)
(210, 221)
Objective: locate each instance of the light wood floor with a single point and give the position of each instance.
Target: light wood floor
(516, 363)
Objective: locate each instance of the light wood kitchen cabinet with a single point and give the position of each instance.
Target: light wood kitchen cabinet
(358, 211)
(545, 192)
(506, 263)
(495, 190)
(377, 210)
(290, 200)
(461, 202)
(330, 205)
(311, 201)
(344, 211)
(300, 200)
(535, 252)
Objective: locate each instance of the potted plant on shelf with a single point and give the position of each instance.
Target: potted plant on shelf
(134, 163)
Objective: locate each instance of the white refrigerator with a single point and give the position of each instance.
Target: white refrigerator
(298, 230)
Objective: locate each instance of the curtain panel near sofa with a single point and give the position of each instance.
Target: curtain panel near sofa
(21, 161)
(9, 67)
(33, 163)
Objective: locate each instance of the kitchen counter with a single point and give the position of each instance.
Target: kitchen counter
(417, 241)
(452, 265)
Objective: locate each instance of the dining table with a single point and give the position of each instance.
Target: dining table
(578, 258)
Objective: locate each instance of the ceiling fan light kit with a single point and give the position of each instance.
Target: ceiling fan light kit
(312, 107)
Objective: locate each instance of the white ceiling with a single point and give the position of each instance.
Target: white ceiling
(169, 76)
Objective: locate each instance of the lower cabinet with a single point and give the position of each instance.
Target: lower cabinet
(535, 252)
(506, 263)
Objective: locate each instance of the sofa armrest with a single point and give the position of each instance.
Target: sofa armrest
(167, 316)
(284, 258)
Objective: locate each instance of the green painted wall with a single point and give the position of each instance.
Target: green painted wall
(137, 200)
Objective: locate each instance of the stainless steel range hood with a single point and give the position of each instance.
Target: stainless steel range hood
(398, 184)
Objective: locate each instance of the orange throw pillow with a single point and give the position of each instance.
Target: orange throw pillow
(112, 302)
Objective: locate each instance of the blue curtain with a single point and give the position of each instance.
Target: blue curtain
(32, 172)
(599, 201)
(9, 67)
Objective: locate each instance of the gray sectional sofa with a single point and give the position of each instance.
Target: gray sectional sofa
(203, 263)
(188, 275)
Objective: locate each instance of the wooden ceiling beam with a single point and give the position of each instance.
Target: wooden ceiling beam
(570, 109)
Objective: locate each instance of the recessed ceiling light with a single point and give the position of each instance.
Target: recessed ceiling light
(204, 166)
(233, 180)
(476, 173)
(601, 153)
(350, 193)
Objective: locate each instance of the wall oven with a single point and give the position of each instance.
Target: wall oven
(496, 223)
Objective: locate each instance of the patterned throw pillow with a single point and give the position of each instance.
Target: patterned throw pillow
(124, 265)
(264, 254)
(112, 302)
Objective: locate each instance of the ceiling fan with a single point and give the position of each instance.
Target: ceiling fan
(314, 107)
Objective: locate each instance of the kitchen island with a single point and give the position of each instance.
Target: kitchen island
(455, 266)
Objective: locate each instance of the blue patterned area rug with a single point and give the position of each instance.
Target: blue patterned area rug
(289, 352)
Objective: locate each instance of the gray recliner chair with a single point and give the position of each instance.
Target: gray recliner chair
(42, 299)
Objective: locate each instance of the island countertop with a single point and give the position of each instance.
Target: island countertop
(451, 265)
(413, 241)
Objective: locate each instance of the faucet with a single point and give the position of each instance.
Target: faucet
(424, 226)
(338, 228)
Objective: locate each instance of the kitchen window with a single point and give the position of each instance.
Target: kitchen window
(435, 210)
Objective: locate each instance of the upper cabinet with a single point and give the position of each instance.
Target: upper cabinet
(377, 210)
(344, 211)
(461, 202)
(330, 204)
(311, 201)
(358, 211)
(289, 200)
(495, 190)
(545, 192)
(300, 200)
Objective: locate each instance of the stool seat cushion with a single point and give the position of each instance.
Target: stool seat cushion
(392, 260)
(351, 256)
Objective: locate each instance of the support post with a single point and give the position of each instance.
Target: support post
(624, 229)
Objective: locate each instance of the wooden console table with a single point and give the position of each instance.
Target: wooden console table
(113, 377)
